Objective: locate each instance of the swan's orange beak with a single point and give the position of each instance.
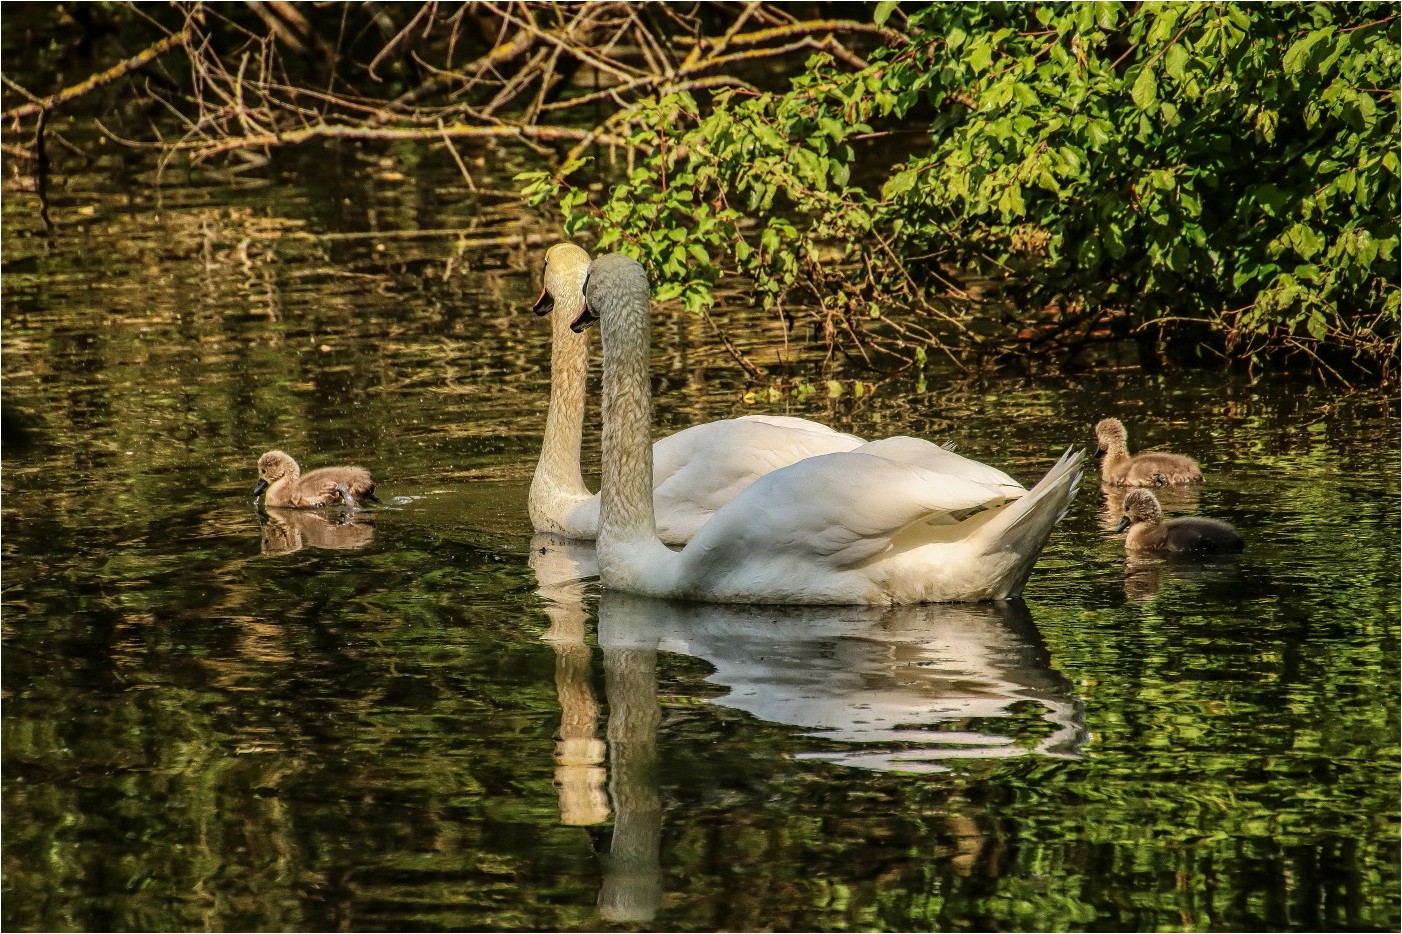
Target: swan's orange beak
(586, 317)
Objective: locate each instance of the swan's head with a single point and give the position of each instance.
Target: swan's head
(1110, 433)
(272, 467)
(566, 266)
(613, 282)
(1140, 506)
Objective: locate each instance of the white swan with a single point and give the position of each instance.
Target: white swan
(840, 528)
(695, 471)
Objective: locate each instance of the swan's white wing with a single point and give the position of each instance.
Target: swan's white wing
(837, 510)
(797, 424)
(774, 439)
(699, 470)
(921, 453)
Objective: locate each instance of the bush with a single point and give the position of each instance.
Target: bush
(1173, 168)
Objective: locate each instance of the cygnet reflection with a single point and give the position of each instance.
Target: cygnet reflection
(288, 530)
(902, 688)
(1146, 575)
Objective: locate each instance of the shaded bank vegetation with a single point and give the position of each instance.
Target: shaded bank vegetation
(980, 181)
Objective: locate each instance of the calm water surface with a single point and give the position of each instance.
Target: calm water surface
(420, 718)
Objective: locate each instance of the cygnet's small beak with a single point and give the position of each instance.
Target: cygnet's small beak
(1124, 524)
(545, 304)
(259, 487)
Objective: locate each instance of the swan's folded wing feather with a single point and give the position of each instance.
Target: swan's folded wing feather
(844, 508)
(799, 424)
(704, 467)
(939, 458)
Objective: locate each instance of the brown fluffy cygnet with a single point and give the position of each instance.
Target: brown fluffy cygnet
(1150, 468)
(1149, 531)
(286, 485)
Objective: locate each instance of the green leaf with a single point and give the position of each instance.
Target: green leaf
(1011, 203)
(980, 55)
(898, 184)
(1272, 199)
(1317, 326)
(1174, 61)
(767, 135)
(1113, 241)
(1306, 241)
(884, 11)
(1145, 90)
(1297, 56)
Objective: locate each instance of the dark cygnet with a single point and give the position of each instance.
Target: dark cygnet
(1149, 531)
(286, 485)
(1151, 468)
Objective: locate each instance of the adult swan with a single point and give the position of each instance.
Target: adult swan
(841, 528)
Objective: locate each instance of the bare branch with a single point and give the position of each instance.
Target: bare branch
(96, 81)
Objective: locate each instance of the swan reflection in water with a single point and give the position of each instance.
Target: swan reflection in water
(288, 530)
(900, 688)
(631, 891)
(561, 567)
(907, 688)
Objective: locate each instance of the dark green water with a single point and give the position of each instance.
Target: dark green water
(418, 721)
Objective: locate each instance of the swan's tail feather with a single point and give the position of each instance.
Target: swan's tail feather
(1022, 529)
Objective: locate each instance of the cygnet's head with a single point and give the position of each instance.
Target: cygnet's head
(1140, 506)
(272, 467)
(275, 465)
(1110, 432)
(614, 280)
(566, 266)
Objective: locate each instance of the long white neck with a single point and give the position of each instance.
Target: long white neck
(630, 553)
(626, 511)
(558, 483)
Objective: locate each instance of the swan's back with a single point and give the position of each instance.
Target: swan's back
(918, 452)
(809, 533)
